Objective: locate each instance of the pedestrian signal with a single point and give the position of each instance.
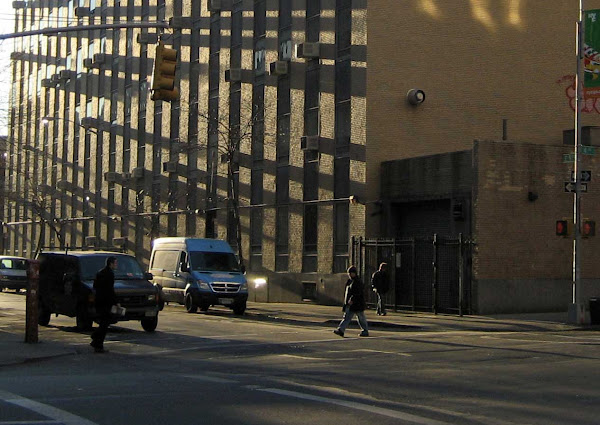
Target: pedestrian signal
(163, 77)
(588, 228)
(562, 228)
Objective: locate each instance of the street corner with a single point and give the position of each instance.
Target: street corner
(14, 351)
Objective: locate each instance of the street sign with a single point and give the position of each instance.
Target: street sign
(568, 157)
(588, 150)
(584, 175)
(570, 187)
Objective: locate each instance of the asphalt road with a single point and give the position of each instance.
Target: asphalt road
(220, 369)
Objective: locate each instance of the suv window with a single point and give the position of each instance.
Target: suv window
(13, 263)
(165, 260)
(127, 267)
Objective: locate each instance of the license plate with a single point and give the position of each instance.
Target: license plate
(225, 301)
(150, 313)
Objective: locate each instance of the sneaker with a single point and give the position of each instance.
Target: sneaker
(363, 334)
(384, 313)
(338, 332)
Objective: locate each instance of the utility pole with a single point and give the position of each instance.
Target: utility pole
(577, 308)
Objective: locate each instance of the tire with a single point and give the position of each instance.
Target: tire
(84, 323)
(239, 309)
(204, 306)
(44, 316)
(149, 324)
(190, 307)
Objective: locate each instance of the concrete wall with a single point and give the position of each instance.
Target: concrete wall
(519, 263)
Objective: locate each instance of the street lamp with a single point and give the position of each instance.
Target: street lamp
(47, 120)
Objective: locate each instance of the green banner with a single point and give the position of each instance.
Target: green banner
(591, 48)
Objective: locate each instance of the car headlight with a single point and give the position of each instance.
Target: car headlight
(151, 297)
(244, 286)
(203, 285)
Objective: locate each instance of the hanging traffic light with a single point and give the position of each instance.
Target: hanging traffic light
(562, 227)
(588, 228)
(163, 77)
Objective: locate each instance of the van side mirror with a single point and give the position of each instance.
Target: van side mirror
(148, 276)
(243, 269)
(185, 268)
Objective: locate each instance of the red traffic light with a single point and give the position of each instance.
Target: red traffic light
(588, 228)
(562, 228)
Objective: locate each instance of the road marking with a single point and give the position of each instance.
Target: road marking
(355, 405)
(211, 379)
(369, 350)
(58, 415)
(28, 422)
(247, 344)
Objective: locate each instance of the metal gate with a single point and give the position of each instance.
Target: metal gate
(426, 274)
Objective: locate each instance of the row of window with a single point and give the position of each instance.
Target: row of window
(311, 124)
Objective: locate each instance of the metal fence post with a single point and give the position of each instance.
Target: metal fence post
(460, 274)
(413, 284)
(435, 273)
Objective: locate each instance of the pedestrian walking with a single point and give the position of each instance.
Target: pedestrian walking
(104, 284)
(380, 285)
(354, 303)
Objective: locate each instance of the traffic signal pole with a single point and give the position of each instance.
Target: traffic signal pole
(55, 31)
(577, 307)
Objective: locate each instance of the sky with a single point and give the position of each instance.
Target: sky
(6, 46)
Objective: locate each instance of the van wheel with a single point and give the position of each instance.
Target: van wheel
(149, 324)
(190, 307)
(239, 309)
(84, 323)
(43, 316)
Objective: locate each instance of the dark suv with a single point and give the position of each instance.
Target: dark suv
(67, 287)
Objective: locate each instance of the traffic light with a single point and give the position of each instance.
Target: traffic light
(588, 228)
(562, 227)
(163, 77)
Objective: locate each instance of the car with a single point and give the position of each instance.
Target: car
(13, 273)
(66, 286)
(198, 273)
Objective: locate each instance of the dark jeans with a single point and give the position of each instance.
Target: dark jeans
(380, 304)
(103, 323)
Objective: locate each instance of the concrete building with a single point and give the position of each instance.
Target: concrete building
(313, 122)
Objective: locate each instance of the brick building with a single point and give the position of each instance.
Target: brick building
(322, 102)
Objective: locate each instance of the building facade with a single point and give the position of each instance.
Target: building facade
(292, 115)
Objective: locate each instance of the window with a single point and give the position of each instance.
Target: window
(309, 259)
(282, 240)
(340, 237)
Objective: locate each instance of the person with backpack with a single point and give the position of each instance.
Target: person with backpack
(380, 285)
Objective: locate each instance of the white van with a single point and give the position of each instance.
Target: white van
(198, 273)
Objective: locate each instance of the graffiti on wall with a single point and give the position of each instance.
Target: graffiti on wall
(590, 105)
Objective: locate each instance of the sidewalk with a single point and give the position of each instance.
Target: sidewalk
(13, 349)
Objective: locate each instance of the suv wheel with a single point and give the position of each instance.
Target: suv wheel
(84, 323)
(43, 316)
(239, 309)
(190, 307)
(149, 324)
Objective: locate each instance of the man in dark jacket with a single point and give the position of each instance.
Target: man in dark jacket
(379, 283)
(354, 303)
(104, 284)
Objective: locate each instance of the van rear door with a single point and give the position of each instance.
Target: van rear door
(163, 268)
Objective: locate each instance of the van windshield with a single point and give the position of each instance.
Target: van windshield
(127, 267)
(213, 261)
